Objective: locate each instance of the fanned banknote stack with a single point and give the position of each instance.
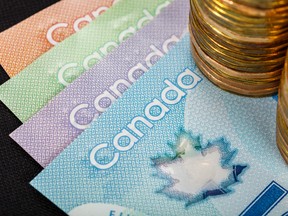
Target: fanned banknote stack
(282, 113)
(113, 108)
(240, 45)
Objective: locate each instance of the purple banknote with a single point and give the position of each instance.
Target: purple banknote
(52, 129)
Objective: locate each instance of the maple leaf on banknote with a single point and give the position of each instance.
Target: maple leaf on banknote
(196, 173)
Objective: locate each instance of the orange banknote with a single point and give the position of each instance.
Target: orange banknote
(26, 41)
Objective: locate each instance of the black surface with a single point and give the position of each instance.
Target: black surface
(3, 75)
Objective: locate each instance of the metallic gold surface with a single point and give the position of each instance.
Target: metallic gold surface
(233, 74)
(240, 45)
(282, 113)
(232, 86)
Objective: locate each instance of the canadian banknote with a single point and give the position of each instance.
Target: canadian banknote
(174, 144)
(53, 128)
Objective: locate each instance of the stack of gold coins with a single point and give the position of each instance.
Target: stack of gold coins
(240, 45)
(282, 113)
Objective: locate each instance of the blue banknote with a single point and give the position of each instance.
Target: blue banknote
(173, 144)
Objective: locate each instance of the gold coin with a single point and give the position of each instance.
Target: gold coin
(282, 124)
(231, 86)
(251, 52)
(282, 106)
(266, 54)
(236, 62)
(265, 24)
(233, 74)
(264, 4)
(251, 11)
(283, 88)
(282, 114)
(284, 78)
(230, 59)
(239, 47)
(281, 143)
(228, 34)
